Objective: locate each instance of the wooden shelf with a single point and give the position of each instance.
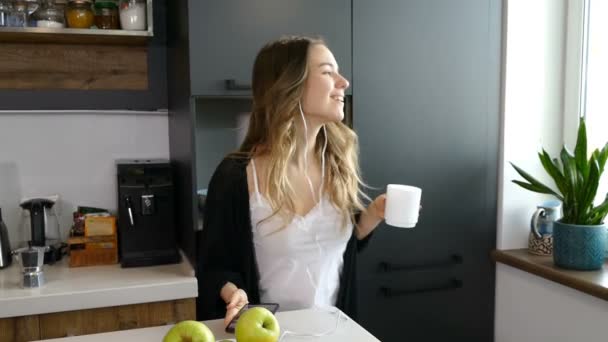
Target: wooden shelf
(80, 36)
(594, 283)
(73, 36)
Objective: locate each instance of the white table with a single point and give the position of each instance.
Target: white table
(301, 321)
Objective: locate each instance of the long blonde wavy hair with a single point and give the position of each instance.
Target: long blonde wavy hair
(279, 73)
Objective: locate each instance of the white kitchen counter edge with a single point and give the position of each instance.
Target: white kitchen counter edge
(98, 299)
(179, 286)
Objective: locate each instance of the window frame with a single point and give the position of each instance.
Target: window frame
(575, 68)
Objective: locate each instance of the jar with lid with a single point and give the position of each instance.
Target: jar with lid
(32, 6)
(18, 15)
(133, 14)
(5, 11)
(106, 15)
(49, 15)
(79, 14)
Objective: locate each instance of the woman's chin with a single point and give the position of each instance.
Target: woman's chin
(340, 116)
(328, 117)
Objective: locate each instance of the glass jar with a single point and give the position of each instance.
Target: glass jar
(18, 14)
(79, 14)
(106, 15)
(49, 15)
(5, 11)
(32, 6)
(133, 14)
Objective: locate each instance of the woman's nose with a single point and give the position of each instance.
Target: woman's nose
(343, 82)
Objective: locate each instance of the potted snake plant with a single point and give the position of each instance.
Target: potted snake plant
(579, 237)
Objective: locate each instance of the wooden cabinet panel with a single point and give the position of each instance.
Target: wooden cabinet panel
(184, 309)
(145, 315)
(83, 67)
(93, 321)
(19, 329)
(81, 322)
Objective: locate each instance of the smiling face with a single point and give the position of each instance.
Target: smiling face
(323, 93)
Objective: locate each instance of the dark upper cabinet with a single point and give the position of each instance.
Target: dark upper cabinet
(226, 35)
(426, 108)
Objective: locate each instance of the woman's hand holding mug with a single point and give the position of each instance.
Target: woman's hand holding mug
(402, 205)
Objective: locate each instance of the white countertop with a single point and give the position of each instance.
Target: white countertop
(311, 321)
(78, 288)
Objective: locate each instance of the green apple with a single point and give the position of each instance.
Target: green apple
(257, 325)
(189, 331)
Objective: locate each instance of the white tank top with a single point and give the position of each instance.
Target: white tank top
(300, 263)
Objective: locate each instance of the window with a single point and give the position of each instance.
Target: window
(586, 82)
(594, 97)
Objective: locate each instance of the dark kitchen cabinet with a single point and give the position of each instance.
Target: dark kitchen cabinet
(226, 35)
(426, 109)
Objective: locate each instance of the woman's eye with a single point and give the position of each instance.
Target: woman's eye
(328, 73)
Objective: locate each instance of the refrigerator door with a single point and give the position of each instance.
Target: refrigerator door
(426, 109)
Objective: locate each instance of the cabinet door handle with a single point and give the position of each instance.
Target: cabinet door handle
(232, 84)
(453, 284)
(129, 206)
(454, 259)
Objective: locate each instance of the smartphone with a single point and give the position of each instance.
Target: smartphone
(272, 307)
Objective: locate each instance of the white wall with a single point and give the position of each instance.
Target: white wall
(71, 155)
(535, 309)
(532, 109)
(530, 308)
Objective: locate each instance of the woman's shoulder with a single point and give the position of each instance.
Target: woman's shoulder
(232, 167)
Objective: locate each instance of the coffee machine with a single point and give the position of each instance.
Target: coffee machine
(40, 208)
(146, 223)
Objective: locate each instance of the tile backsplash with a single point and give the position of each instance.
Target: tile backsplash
(71, 155)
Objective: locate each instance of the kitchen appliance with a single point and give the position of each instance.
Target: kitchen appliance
(146, 222)
(42, 235)
(31, 259)
(5, 245)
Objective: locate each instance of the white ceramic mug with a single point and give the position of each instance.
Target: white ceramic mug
(402, 205)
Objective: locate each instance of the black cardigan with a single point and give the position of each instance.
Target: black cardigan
(226, 246)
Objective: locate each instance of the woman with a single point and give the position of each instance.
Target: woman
(284, 216)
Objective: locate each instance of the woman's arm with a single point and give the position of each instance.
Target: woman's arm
(218, 259)
(371, 217)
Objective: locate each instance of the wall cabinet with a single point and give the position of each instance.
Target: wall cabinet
(225, 36)
(72, 71)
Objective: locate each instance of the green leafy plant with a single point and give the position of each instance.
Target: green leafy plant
(577, 179)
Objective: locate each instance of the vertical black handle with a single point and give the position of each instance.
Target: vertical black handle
(129, 206)
(38, 221)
